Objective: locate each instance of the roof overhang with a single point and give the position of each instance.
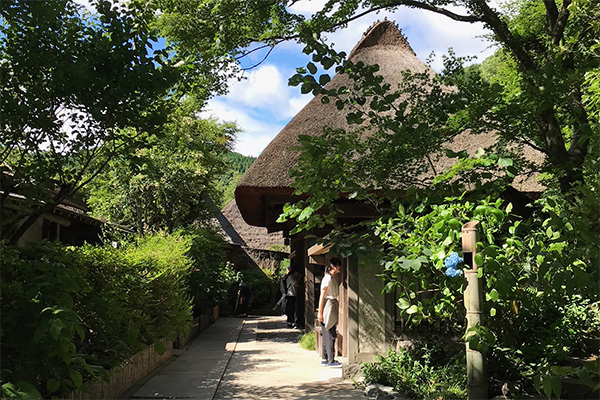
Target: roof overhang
(261, 206)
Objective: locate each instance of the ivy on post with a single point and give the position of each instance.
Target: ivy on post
(476, 363)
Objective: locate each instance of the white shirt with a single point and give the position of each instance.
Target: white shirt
(331, 283)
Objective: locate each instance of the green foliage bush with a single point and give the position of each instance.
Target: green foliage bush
(211, 277)
(415, 374)
(71, 313)
(308, 341)
(541, 280)
(263, 284)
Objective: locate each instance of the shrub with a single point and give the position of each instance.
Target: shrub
(71, 313)
(308, 341)
(211, 276)
(42, 289)
(417, 376)
(262, 284)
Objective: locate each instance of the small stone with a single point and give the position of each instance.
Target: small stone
(372, 391)
(376, 390)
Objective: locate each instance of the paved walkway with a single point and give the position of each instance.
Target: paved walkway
(251, 358)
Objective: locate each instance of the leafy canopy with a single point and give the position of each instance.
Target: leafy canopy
(77, 90)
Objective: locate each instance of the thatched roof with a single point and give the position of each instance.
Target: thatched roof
(268, 177)
(246, 235)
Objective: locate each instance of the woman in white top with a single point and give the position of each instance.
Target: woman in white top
(328, 312)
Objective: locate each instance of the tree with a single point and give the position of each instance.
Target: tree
(237, 165)
(166, 186)
(77, 90)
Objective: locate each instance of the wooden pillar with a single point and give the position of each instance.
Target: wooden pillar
(352, 330)
(476, 362)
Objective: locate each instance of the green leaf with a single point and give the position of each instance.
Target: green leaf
(21, 390)
(447, 241)
(389, 287)
(415, 265)
(509, 208)
(52, 385)
(454, 224)
(327, 62)
(403, 303)
(324, 79)
(412, 309)
(56, 326)
(505, 162)
(311, 68)
(76, 378)
(551, 384)
(491, 251)
(585, 377)
(479, 259)
(306, 213)
(561, 370)
(493, 295)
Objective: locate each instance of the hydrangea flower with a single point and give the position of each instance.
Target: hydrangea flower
(451, 262)
(453, 273)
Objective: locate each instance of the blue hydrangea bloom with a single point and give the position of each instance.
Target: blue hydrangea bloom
(451, 262)
(453, 272)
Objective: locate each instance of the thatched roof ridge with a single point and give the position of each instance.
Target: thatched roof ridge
(382, 34)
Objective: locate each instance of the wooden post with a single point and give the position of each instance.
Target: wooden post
(476, 362)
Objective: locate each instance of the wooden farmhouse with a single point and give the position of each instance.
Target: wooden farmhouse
(69, 223)
(367, 319)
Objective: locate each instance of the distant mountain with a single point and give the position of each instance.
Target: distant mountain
(238, 164)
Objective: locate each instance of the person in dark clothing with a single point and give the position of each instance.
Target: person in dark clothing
(291, 289)
(243, 299)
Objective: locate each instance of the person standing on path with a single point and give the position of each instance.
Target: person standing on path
(291, 285)
(243, 299)
(328, 312)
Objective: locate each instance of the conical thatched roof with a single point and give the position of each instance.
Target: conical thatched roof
(266, 185)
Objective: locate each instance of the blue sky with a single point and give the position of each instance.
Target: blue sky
(262, 103)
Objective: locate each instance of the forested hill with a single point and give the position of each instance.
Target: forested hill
(238, 164)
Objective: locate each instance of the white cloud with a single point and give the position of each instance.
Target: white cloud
(308, 7)
(255, 135)
(264, 87)
(297, 104)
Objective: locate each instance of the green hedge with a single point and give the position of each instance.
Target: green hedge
(71, 313)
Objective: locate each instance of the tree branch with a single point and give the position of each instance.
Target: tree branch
(561, 23)
(500, 28)
(551, 13)
(261, 61)
(435, 9)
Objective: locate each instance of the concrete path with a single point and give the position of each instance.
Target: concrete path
(251, 358)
